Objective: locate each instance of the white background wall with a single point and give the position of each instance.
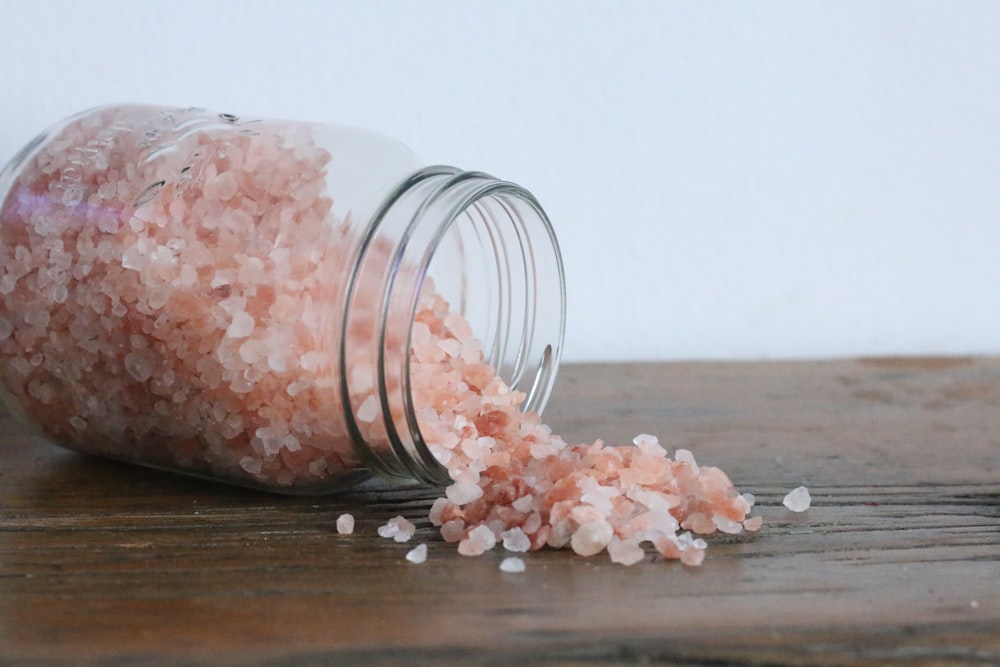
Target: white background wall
(728, 179)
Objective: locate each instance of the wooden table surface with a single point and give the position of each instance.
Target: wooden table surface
(897, 561)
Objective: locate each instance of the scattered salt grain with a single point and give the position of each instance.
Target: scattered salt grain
(398, 528)
(417, 554)
(512, 564)
(345, 524)
(798, 499)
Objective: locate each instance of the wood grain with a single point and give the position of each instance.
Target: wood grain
(896, 563)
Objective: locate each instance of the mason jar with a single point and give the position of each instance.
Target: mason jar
(240, 298)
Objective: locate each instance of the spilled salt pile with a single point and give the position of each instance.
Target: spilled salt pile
(345, 524)
(798, 499)
(171, 311)
(517, 483)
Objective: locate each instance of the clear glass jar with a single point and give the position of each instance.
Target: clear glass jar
(236, 298)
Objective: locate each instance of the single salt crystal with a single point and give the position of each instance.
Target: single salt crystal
(251, 464)
(398, 528)
(345, 524)
(463, 492)
(591, 537)
(138, 366)
(753, 523)
(685, 456)
(241, 326)
(453, 530)
(479, 540)
(649, 444)
(727, 525)
(512, 564)
(515, 540)
(368, 409)
(417, 554)
(798, 499)
(524, 503)
(6, 328)
(625, 552)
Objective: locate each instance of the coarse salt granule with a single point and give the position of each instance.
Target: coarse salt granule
(798, 499)
(625, 552)
(478, 541)
(512, 564)
(345, 524)
(515, 540)
(417, 554)
(398, 528)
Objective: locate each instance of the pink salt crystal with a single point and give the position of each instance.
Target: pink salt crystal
(398, 528)
(727, 525)
(512, 565)
(515, 540)
(437, 511)
(798, 499)
(649, 444)
(753, 523)
(453, 531)
(693, 556)
(241, 326)
(625, 552)
(591, 537)
(417, 554)
(138, 366)
(368, 410)
(463, 492)
(345, 524)
(479, 540)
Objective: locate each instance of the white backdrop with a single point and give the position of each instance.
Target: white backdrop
(728, 179)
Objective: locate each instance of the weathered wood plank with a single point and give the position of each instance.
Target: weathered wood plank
(896, 563)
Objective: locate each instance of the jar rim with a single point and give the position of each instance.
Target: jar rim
(527, 296)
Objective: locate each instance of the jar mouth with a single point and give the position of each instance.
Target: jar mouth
(489, 249)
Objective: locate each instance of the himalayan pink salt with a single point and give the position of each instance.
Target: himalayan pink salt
(398, 528)
(798, 499)
(515, 539)
(528, 481)
(512, 564)
(345, 524)
(417, 554)
(477, 541)
(195, 303)
(592, 537)
(625, 552)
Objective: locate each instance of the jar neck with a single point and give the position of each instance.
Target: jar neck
(493, 255)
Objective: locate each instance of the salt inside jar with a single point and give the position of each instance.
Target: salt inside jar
(239, 298)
